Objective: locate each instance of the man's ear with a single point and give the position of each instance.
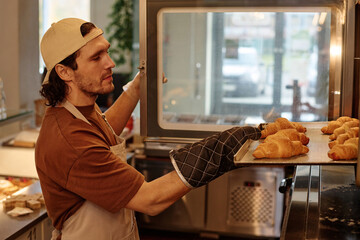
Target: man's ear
(64, 72)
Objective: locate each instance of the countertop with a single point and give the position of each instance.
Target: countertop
(13, 227)
(17, 162)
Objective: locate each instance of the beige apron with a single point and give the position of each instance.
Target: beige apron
(92, 222)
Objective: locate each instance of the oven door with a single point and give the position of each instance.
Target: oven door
(209, 65)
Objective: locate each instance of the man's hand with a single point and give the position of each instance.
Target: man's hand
(132, 88)
(201, 162)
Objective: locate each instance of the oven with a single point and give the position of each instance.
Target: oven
(209, 65)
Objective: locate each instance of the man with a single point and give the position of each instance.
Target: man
(90, 191)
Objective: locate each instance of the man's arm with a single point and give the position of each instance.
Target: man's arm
(196, 164)
(155, 196)
(119, 113)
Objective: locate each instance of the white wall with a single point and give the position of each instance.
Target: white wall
(19, 52)
(19, 48)
(9, 51)
(29, 76)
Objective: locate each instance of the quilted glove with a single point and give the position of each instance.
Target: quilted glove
(201, 162)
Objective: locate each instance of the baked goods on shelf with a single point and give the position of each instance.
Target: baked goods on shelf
(280, 147)
(346, 151)
(332, 125)
(351, 133)
(290, 133)
(281, 123)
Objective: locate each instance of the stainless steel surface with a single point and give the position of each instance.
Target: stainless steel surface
(318, 148)
(143, 67)
(246, 202)
(303, 199)
(349, 53)
(324, 204)
(151, 64)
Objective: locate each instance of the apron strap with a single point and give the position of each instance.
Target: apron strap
(118, 140)
(73, 110)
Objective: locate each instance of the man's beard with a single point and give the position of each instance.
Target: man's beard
(90, 90)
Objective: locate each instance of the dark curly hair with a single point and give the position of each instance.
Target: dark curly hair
(56, 89)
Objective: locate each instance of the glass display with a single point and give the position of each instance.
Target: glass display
(244, 66)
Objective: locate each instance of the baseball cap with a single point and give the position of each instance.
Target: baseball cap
(62, 39)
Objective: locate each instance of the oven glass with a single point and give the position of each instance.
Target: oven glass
(241, 66)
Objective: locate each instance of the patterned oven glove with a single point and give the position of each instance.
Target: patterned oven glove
(201, 162)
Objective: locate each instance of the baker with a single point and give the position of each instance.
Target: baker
(90, 191)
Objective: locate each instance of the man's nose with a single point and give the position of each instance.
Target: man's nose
(110, 62)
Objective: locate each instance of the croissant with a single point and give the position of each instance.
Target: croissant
(332, 125)
(299, 127)
(347, 150)
(290, 133)
(280, 147)
(351, 133)
(344, 128)
(281, 123)
(344, 119)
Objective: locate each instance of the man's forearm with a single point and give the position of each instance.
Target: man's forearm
(119, 113)
(155, 196)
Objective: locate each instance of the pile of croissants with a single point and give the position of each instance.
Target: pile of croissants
(344, 137)
(282, 139)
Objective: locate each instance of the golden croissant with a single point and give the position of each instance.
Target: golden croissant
(347, 150)
(344, 128)
(351, 133)
(290, 133)
(344, 119)
(332, 125)
(281, 123)
(280, 147)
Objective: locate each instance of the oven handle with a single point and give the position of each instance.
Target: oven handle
(285, 184)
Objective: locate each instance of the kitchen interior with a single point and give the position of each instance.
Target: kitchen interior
(227, 63)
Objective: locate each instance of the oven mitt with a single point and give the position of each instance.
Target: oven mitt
(201, 162)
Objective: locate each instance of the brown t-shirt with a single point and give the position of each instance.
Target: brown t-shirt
(74, 164)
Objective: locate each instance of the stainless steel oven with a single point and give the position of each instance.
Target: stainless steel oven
(246, 202)
(208, 65)
(233, 62)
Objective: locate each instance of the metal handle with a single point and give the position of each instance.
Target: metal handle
(285, 185)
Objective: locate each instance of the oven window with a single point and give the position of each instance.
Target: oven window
(244, 66)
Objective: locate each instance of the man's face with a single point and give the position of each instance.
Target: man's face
(94, 73)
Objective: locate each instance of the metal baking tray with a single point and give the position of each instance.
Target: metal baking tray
(317, 155)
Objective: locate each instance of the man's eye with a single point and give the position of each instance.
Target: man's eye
(96, 58)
